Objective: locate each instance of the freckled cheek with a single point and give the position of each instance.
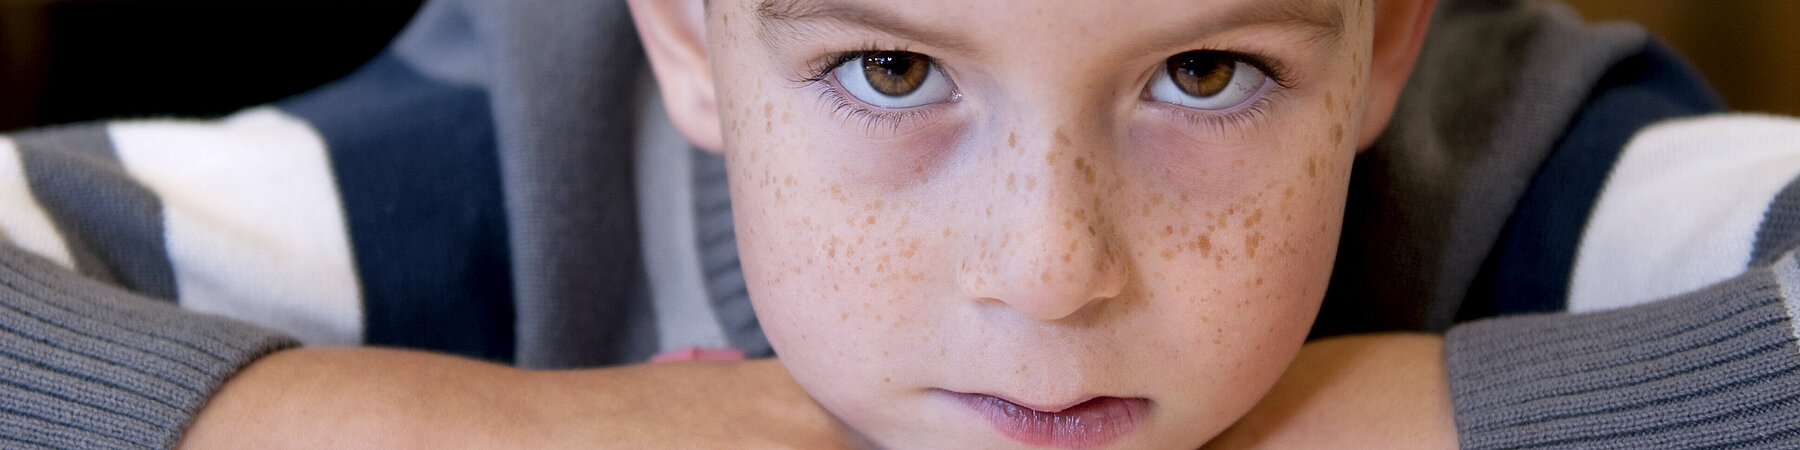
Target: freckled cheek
(836, 273)
(1240, 271)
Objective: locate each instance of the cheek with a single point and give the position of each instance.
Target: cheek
(1234, 255)
(834, 271)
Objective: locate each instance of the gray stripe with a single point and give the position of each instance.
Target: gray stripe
(1780, 229)
(1708, 367)
(719, 255)
(113, 225)
(106, 367)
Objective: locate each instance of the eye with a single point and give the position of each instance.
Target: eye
(894, 80)
(1208, 80)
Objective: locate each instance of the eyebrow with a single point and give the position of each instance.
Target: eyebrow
(780, 20)
(788, 14)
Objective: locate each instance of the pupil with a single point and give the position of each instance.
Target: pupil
(1202, 74)
(896, 74)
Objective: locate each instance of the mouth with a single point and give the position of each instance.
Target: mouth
(1092, 423)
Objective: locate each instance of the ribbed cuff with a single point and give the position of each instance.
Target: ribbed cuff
(1717, 367)
(84, 364)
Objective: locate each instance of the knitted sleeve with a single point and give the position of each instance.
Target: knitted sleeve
(1680, 329)
(142, 263)
(85, 364)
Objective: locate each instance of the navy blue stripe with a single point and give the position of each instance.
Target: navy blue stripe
(416, 166)
(112, 226)
(1531, 266)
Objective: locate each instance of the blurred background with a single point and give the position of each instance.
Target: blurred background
(72, 60)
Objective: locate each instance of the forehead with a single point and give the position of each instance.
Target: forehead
(966, 25)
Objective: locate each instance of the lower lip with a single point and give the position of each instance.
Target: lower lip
(1091, 424)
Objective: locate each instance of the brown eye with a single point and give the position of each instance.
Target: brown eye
(896, 74)
(894, 80)
(1208, 80)
(1201, 73)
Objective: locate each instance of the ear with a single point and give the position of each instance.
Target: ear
(1400, 27)
(674, 37)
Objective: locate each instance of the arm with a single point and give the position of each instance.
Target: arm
(360, 398)
(1360, 391)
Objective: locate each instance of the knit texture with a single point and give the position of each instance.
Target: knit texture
(87, 365)
(1714, 368)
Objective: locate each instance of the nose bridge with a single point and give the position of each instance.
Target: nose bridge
(1048, 251)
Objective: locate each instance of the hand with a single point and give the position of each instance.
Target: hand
(1386, 391)
(373, 398)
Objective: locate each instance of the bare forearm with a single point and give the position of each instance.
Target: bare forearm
(355, 397)
(1365, 391)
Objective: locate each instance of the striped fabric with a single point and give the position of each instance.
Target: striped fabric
(1684, 208)
(238, 217)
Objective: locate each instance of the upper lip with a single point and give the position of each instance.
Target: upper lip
(1041, 407)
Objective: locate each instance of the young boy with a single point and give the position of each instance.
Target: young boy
(961, 224)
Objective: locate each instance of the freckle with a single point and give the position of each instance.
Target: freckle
(843, 316)
(768, 127)
(1312, 167)
(1156, 199)
(787, 116)
(834, 287)
(1045, 276)
(1068, 224)
(1251, 242)
(946, 232)
(1012, 140)
(990, 211)
(1168, 230)
(1031, 183)
(1011, 183)
(1337, 133)
(1184, 198)
(1254, 218)
(1023, 368)
(1204, 244)
(869, 221)
(1168, 254)
(885, 379)
(768, 109)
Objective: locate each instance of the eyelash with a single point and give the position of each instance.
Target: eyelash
(872, 119)
(1241, 118)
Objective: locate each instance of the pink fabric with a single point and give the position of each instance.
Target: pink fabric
(699, 354)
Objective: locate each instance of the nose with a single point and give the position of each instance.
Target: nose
(1046, 250)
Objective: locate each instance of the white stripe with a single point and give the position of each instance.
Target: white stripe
(665, 195)
(254, 226)
(1682, 207)
(23, 221)
(1787, 274)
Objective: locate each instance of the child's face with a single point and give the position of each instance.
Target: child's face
(1125, 211)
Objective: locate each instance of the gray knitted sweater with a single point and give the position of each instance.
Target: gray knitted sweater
(500, 184)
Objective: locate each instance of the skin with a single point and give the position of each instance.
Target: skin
(1050, 237)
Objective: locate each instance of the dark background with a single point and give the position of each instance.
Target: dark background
(73, 60)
